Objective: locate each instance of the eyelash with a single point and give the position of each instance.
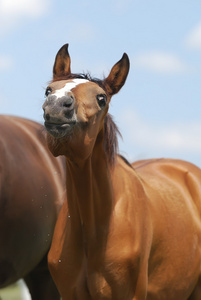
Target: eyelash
(48, 91)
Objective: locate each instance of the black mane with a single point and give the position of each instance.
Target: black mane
(111, 140)
(86, 76)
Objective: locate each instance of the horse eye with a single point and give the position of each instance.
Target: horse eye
(102, 100)
(48, 91)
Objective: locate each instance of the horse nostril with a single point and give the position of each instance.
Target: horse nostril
(67, 105)
(68, 102)
(47, 117)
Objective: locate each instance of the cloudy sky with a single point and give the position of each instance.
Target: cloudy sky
(158, 110)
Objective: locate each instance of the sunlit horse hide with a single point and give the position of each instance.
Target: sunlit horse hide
(32, 186)
(126, 232)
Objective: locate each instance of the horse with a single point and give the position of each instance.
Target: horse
(32, 187)
(124, 232)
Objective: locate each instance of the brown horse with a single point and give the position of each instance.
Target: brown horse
(125, 232)
(31, 194)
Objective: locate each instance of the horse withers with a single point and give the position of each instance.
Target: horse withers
(125, 232)
(31, 195)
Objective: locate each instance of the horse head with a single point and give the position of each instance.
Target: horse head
(76, 106)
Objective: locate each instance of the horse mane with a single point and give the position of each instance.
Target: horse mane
(110, 139)
(111, 129)
(86, 76)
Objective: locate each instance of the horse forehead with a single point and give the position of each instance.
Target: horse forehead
(65, 86)
(76, 86)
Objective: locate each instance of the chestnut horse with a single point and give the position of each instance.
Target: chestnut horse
(126, 231)
(32, 184)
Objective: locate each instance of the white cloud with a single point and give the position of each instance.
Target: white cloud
(22, 7)
(174, 137)
(12, 12)
(5, 63)
(193, 39)
(160, 62)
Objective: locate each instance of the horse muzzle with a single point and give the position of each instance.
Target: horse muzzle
(59, 115)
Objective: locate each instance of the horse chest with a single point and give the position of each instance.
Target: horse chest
(109, 272)
(98, 284)
(92, 279)
(93, 285)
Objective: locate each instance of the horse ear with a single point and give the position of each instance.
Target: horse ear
(118, 75)
(62, 63)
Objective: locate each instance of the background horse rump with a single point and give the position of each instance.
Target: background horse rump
(31, 191)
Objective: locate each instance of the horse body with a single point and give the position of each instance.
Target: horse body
(125, 232)
(31, 194)
(173, 190)
(152, 245)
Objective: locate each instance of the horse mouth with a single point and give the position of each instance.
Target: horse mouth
(59, 130)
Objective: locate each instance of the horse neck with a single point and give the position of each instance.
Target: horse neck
(89, 195)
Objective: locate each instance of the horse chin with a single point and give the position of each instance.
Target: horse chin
(59, 130)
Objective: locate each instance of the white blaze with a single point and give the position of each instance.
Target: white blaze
(68, 87)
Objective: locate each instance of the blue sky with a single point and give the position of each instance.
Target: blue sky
(158, 111)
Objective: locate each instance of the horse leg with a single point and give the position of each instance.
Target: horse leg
(40, 283)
